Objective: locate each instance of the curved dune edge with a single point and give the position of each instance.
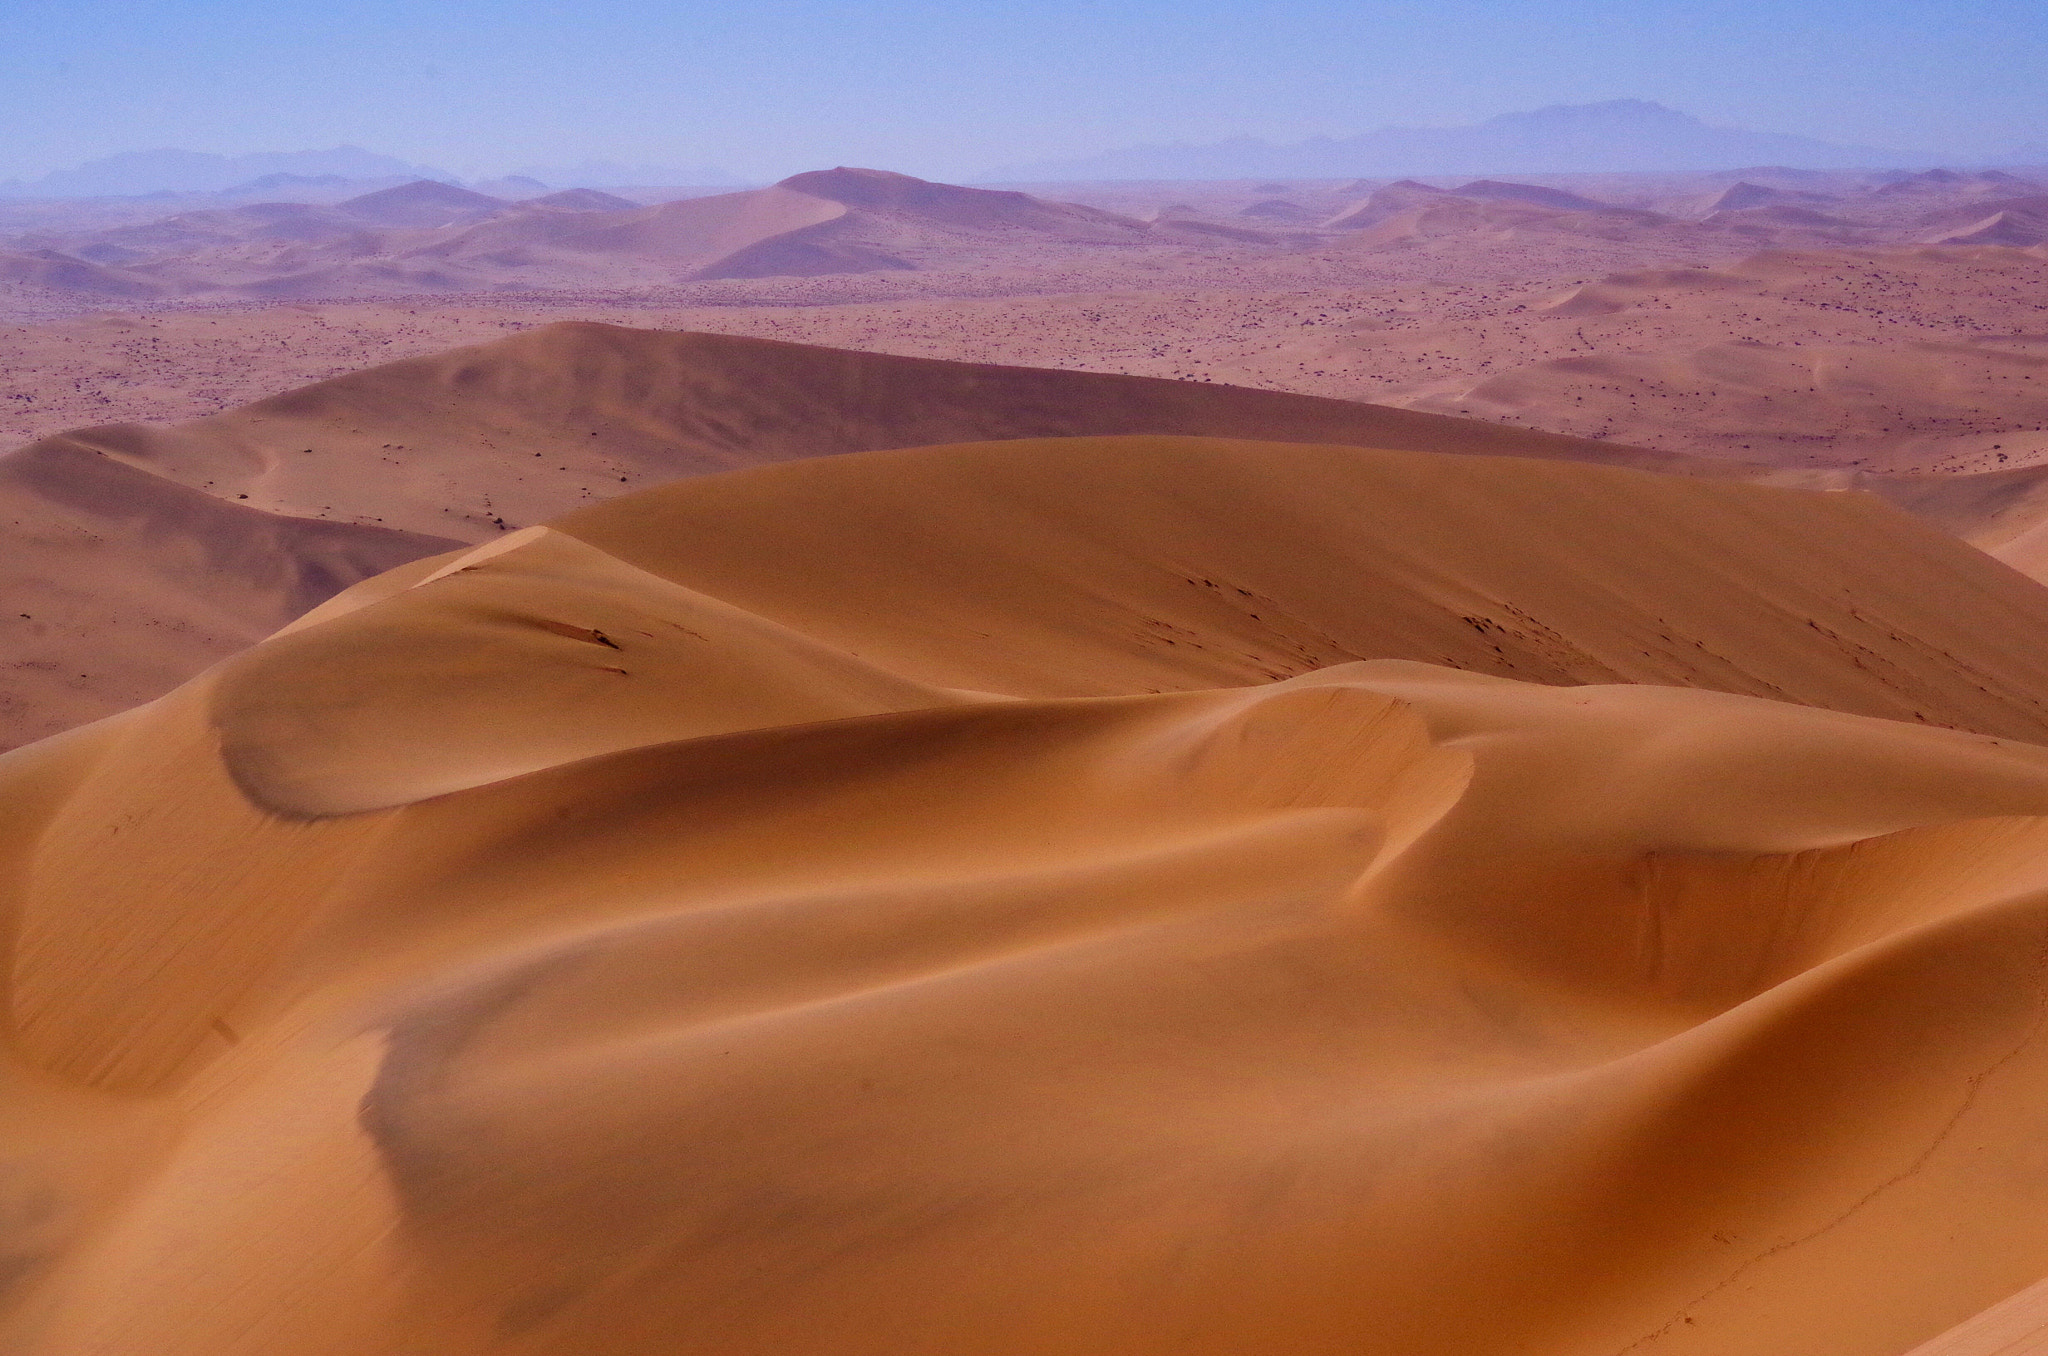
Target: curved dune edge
(415, 983)
(526, 653)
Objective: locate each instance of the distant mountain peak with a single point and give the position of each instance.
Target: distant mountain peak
(1606, 111)
(1609, 136)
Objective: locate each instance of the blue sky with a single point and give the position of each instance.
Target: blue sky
(768, 87)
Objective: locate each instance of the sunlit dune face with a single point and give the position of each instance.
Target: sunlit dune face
(1149, 895)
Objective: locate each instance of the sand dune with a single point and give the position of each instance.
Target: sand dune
(466, 443)
(428, 237)
(583, 200)
(1280, 210)
(694, 236)
(615, 939)
(120, 584)
(1948, 182)
(1742, 195)
(1422, 315)
(2014, 1327)
(248, 518)
(1777, 221)
(882, 190)
(1604, 582)
(422, 204)
(236, 236)
(1404, 195)
(2007, 227)
(123, 531)
(1530, 193)
(824, 222)
(431, 237)
(434, 237)
(50, 271)
(1406, 212)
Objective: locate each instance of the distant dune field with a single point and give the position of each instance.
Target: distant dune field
(881, 768)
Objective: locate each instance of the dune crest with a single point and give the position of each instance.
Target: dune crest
(471, 688)
(640, 935)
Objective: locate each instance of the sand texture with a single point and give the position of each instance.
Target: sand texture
(468, 442)
(121, 584)
(1842, 329)
(197, 538)
(137, 554)
(1145, 895)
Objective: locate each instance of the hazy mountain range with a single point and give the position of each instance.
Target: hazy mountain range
(133, 173)
(1619, 135)
(138, 173)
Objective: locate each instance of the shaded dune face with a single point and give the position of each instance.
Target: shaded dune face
(524, 429)
(122, 584)
(800, 911)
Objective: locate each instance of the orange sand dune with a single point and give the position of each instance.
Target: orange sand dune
(771, 914)
(410, 458)
(469, 444)
(465, 443)
(1128, 565)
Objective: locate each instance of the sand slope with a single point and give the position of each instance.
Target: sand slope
(467, 445)
(408, 459)
(636, 937)
(120, 584)
(526, 428)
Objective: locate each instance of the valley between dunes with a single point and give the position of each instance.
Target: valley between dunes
(1140, 894)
